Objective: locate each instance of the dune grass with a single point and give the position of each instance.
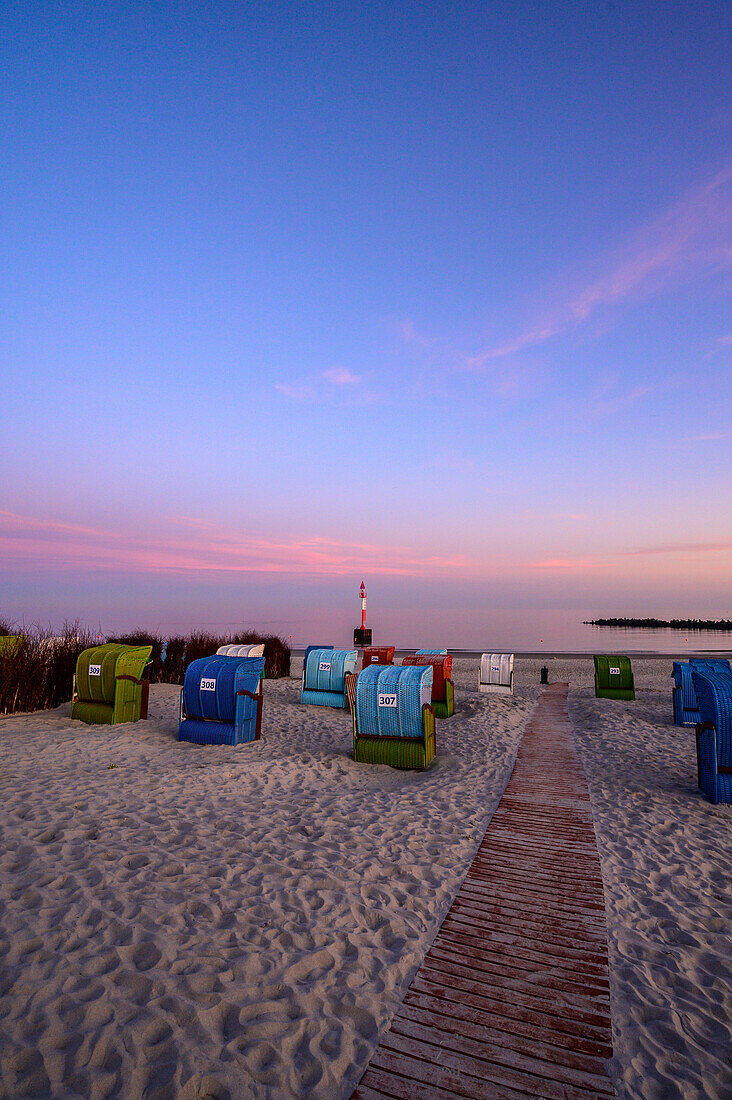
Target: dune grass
(36, 672)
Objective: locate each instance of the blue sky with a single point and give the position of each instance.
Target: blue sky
(436, 295)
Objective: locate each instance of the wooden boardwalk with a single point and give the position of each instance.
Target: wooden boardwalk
(512, 999)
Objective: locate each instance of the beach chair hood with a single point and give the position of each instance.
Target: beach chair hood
(389, 700)
(256, 649)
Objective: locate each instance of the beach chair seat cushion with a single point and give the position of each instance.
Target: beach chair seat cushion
(94, 714)
(202, 732)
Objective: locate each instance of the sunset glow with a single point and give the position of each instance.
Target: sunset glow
(452, 316)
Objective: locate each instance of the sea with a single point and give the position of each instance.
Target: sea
(518, 631)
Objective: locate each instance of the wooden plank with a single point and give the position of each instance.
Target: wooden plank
(546, 1030)
(512, 999)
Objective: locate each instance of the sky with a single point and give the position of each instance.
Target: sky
(435, 296)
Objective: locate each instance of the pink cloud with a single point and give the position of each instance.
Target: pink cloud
(682, 548)
(720, 344)
(683, 241)
(613, 403)
(407, 333)
(605, 561)
(575, 564)
(339, 376)
(295, 393)
(685, 238)
(27, 543)
(535, 336)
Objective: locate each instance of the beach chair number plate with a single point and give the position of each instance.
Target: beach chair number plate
(208, 685)
(324, 666)
(95, 670)
(374, 659)
(387, 700)
(495, 668)
(614, 671)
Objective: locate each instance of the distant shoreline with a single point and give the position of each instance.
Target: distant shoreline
(558, 654)
(661, 624)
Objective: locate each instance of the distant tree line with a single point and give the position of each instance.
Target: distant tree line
(673, 624)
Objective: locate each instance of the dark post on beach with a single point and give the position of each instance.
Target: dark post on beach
(544, 674)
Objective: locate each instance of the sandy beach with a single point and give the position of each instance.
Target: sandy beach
(189, 921)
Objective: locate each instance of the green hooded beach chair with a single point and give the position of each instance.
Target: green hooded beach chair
(109, 685)
(614, 678)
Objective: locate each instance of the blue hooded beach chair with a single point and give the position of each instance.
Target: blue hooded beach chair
(221, 701)
(714, 733)
(324, 676)
(393, 720)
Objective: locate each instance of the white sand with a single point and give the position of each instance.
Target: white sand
(214, 922)
(189, 921)
(667, 867)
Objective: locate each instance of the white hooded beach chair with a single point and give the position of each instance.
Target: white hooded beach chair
(241, 650)
(496, 673)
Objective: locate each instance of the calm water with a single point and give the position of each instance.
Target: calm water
(532, 631)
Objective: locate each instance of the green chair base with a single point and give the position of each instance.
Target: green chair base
(445, 708)
(399, 752)
(94, 714)
(618, 693)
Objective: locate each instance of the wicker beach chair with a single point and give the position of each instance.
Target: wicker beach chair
(614, 678)
(685, 705)
(496, 674)
(10, 644)
(324, 676)
(378, 655)
(443, 689)
(221, 701)
(108, 684)
(393, 721)
(714, 734)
